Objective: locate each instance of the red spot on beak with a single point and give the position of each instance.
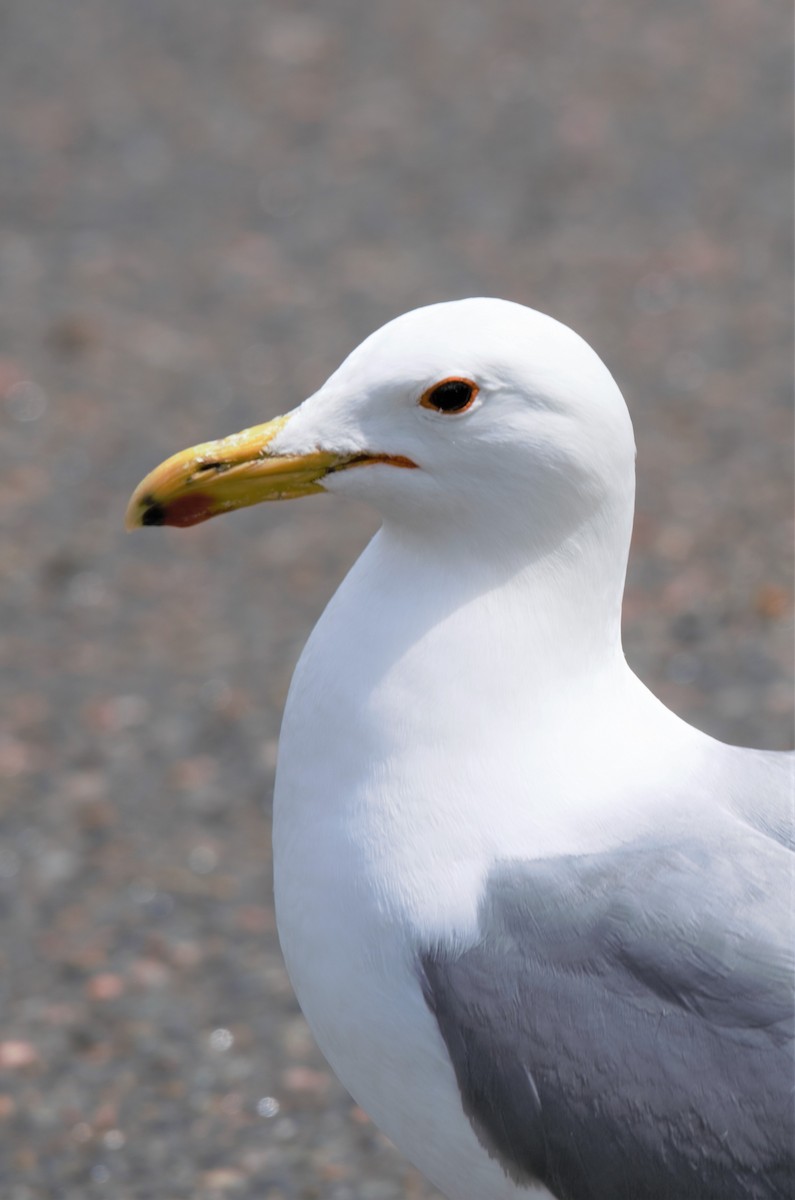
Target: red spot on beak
(189, 510)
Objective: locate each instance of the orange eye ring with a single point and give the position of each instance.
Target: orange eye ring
(450, 396)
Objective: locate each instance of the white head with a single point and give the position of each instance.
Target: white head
(542, 441)
(528, 453)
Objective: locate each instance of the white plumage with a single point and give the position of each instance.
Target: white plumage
(463, 716)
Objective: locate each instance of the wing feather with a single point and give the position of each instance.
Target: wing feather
(623, 1027)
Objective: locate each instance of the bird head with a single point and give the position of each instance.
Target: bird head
(473, 415)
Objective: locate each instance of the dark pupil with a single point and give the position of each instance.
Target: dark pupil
(451, 396)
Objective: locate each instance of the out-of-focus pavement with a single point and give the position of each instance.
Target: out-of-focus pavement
(203, 207)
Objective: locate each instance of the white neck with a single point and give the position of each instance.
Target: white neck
(437, 692)
(555, 609)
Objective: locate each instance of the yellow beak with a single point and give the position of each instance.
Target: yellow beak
(235, 472)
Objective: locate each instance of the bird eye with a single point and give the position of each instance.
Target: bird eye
(450, 396)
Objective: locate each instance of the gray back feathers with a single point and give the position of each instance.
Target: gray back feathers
(623, 1029)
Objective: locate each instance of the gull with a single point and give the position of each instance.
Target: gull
(540, 927)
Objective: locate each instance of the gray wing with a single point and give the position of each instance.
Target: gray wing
(623, 1029)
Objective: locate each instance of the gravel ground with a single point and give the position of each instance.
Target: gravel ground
(203, 207)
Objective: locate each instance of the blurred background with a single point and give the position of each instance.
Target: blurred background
(203, 208)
